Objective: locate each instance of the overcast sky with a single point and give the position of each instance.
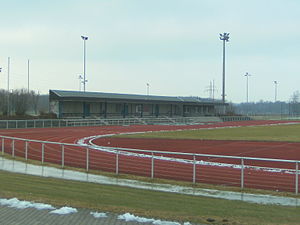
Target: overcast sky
(171, 44)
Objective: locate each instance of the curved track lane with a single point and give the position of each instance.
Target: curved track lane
(208, 172)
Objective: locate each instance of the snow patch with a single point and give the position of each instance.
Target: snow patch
(64, 210)
(131, 217)
(98, 215)
(16, 203)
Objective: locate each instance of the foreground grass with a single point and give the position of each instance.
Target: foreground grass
(141, 202)
(256, 133)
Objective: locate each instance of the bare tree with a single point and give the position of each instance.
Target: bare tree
(20, 101)
(295, 103)
(3, 101)
(34, 101)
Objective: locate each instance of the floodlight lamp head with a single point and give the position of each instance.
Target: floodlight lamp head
(84, 38)
(224, 37)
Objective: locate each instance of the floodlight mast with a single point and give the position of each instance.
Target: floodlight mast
(247, 86)
(225, 38)
(148, 85)
(84, 38)
(275, 83)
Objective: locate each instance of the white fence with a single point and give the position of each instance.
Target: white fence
(243, 172)
(46, 123)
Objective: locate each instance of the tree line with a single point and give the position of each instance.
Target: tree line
(292, 107)
(18, 102)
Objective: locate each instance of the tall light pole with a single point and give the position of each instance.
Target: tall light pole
(80, 81)
(225, 38)
(148, 85)
(84, 38)
(8, 68)
(275, 83)
(28, 75)
(247, 86)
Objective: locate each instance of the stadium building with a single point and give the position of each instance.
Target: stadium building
(77, 104)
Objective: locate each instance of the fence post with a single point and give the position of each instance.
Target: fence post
(3, 146)
(62, 156)
(296, 174)
(194, 169)
(13, 148)
(117, 163)
(26, 150)
(87, 159)
(152, 166)
(242, 173)
(43, 150)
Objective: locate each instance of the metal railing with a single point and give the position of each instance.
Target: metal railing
(243, 172)
(48, 123)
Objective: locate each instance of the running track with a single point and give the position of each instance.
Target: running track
(281, 180)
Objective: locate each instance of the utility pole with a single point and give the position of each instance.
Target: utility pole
(211, 89)
(225, 38)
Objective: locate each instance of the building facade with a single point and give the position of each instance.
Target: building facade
(76, 104)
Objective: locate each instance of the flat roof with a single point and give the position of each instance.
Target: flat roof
(133, 97)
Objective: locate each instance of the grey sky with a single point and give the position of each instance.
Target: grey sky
(172, 45)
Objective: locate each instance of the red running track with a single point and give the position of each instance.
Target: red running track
(98, 160)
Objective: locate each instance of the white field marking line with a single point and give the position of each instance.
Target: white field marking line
(90, 144)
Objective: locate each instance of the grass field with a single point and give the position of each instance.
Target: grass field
(256, 133)
(141, 202)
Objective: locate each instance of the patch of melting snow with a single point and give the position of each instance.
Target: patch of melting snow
(64, 210)
(98, 215)
(131, 217)
(18, 204)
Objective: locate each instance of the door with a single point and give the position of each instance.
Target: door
(86, 109)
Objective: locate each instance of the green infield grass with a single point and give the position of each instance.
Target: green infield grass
(289, 133)
(169, 206)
